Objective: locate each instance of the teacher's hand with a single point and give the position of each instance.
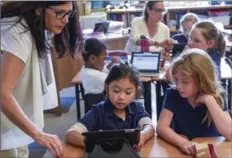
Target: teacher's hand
(52, 142)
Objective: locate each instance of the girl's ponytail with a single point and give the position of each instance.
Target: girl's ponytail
(220, 43)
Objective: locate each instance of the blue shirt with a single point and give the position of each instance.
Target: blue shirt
(180, 38)
(186, 119)
(214, 54)
(102, 117)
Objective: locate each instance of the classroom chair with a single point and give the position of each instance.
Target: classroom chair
(91, 99)
(229, 84)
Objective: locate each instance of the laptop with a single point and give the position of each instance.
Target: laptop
(111, 139)
(147, 63)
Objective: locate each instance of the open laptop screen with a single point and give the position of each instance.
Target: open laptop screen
(147, 62)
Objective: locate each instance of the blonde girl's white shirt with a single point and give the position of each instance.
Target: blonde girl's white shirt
(27, 92)
(138, 28)
(92, 80)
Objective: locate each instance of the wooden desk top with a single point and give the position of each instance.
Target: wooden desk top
(156, 147)
(223, 147)
(76, 79)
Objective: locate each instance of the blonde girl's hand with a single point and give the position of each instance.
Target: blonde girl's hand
(188, 147)
(204, 98)
(52, 142)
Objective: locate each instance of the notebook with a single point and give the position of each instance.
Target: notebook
(147, 63)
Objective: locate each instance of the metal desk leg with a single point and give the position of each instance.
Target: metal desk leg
(225, 85)
(158, 99)
(147, 97)
(82, 91)
(78, 101)
(229, 94)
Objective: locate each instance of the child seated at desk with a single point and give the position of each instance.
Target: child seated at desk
(119, 111)
(94, 72)
(186, 24)
(194, 108)
(206, 36)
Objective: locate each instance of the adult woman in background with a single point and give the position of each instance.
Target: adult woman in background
(149, 26)
(23, 81)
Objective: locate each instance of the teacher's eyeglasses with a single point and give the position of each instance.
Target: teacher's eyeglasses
(60, 14)
(159, 10)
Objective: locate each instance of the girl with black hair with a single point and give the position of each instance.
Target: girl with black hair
(118, 111)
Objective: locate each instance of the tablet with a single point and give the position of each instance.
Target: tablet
(111, 140)
(101, 27)
(178, 48)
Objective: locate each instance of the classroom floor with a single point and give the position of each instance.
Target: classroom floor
(59, 125)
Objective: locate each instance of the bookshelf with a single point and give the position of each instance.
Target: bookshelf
(203, 11)
(174, 13)
(125, 15)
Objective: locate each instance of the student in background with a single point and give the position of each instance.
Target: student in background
(119, 111)
(206, 36)
(186, 24)
(149, 26)
(93, 73)
(22, 79)
(195, 107)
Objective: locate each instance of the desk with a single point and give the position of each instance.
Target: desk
(146, 92)
(156, 147)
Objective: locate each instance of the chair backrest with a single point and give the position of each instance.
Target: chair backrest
(91, 99)
(228, 61)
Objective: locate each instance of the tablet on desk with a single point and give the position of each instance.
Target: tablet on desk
(101, 27)
(178, 49)
(111, 140)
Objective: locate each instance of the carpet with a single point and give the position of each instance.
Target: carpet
(66, 103)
